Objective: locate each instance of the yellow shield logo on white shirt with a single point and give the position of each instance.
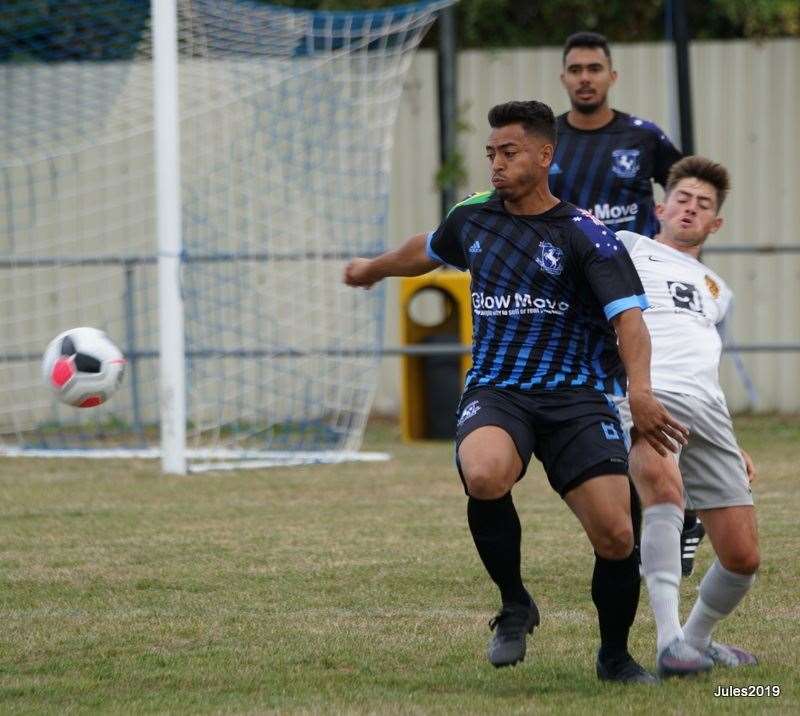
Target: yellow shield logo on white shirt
(713, 286)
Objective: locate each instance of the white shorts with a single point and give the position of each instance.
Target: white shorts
(711, 464)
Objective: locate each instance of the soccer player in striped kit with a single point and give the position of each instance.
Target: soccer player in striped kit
(557, 325)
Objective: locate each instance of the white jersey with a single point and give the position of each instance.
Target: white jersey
(687, 301)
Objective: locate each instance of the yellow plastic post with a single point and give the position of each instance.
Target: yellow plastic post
(457, 322)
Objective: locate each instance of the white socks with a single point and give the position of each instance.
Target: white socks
(720, 591)
(661, 566)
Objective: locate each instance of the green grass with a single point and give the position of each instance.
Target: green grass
(352, 588)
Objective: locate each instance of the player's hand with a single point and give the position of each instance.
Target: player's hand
(358, 273)
(750, 465)
(653, 423)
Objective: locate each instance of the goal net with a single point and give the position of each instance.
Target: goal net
(285, 120)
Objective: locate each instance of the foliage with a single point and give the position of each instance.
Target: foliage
(57, 30)
(511, 23)
(505, 23)
(53, 30)
(452, 173)
(745, 18)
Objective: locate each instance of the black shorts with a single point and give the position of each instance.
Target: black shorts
(575, 434)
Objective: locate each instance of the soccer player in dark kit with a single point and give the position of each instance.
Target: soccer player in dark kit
(606, 161)
(557, 324)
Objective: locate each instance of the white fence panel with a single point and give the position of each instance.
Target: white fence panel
(747, 108)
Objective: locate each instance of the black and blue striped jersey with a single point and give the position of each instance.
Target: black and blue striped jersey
(610, 171)
(544, 289)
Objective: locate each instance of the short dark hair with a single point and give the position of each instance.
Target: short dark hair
(706, 170)
(586, 39)
(535, 117)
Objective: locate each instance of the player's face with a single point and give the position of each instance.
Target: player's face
(689, 212)
(518, 161)
(587, 77)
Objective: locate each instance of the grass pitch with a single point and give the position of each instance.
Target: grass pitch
(346, 589)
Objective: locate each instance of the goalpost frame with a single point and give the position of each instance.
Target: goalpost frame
(195, 239)
(172, 364)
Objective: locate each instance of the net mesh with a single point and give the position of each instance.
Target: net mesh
(286, 123)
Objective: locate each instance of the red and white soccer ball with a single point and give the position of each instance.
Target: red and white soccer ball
(83, 367)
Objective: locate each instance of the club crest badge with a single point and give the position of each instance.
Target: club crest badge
(713, 287)
(469, 411)
(550, 258)
(625, 163)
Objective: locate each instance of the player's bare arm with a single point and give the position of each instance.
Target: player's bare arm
(409, 259)
(650, 418)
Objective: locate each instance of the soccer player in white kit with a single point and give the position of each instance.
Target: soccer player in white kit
(710, 474)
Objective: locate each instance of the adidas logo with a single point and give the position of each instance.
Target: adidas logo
(475, 248)
(554, 168)
(690, 546)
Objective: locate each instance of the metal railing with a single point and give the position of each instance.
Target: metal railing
(134, 355)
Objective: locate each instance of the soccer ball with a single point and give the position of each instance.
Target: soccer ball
(83, 367)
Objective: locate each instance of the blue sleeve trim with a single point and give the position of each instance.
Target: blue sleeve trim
(429, 249)
(623, 304)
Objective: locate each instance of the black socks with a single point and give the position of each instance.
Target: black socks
(496, 530)
(615, 593)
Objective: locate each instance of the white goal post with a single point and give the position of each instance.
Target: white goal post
(172, 375)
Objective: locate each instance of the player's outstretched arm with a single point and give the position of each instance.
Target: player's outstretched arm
(651, 420)
(408, 259)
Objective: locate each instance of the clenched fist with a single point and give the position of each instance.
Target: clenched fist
(359, 273)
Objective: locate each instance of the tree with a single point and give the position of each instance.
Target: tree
(511, 23)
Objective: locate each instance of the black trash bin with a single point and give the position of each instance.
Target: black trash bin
(441, 379)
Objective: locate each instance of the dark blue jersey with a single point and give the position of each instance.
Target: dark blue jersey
(610, 171)
(544, 289)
